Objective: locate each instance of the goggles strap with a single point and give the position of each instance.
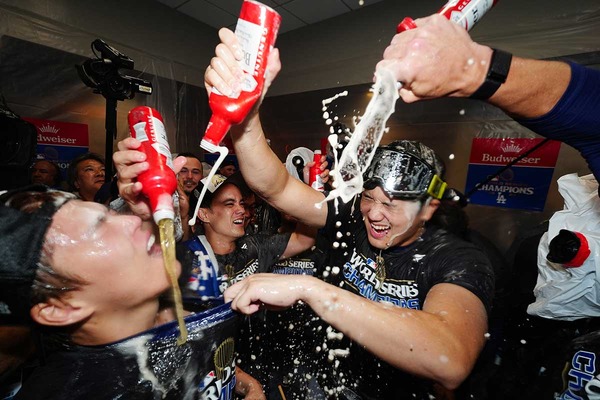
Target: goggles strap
(436, 187)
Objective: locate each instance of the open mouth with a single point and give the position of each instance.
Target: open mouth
(238, 221)
(379, 231)
(152, 247)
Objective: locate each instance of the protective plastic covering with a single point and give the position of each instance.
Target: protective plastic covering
(571, 293)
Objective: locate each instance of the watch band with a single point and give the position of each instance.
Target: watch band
(496, 75)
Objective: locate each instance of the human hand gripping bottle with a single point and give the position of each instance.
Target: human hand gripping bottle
(256, 30)
(159, 181)
(464, 12)
(315, 180)
(159, 184)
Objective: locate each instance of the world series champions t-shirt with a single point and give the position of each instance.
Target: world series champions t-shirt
(411, 271)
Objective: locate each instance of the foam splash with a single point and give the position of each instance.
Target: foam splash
(223, 151)
(357, 155)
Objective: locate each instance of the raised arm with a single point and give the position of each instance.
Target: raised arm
(439, 59)
(554, 99)
(262, 170)
(130, 163)
(440, 343)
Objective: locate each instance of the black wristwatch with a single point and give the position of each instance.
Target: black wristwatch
(496, 75)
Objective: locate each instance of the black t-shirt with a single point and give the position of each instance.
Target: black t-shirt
(295, 362)
(149, 365)
(253, 254)
(436, 257)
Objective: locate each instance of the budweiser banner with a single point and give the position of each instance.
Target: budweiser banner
(522, 186)
(60, 141)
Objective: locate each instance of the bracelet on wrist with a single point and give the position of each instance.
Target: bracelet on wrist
(496, 75)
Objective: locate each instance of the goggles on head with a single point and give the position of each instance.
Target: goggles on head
(403, 176)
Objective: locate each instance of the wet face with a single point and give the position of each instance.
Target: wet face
(225, 216)
(227, 170)
(190, 174)
(392, 222)
(89, 177)
(113, 254)
(44, 172)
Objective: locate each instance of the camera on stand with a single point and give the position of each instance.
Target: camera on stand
(103, 73)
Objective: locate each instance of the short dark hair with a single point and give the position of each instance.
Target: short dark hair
(227, 163)
(189, 155)
(36, 280)
(72, 171)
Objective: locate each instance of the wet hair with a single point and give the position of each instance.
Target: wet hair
(47, 283)
(72, 171)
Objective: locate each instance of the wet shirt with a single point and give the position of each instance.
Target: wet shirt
(205, 276)
(253, 254)
(149, 365)
(411, 271)
(295, 362)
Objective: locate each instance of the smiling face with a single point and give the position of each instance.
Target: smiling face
(392, 222)
(112, 254)
(225, 216)
(89, 177)
(190, 174)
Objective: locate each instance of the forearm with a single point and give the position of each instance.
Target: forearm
(261, 168)
(532, 88)
(419, 342)
(266, 175)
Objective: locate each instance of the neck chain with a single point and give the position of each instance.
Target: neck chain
(380, 272)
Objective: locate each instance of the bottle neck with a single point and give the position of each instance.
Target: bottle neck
(216, 130)
(162, 206)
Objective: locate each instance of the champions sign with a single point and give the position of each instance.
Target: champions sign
(524, 185)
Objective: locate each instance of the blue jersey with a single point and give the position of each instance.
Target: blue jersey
(575, 119)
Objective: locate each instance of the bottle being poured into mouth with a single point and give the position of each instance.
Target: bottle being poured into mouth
(159, 184)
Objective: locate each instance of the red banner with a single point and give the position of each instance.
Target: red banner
(504, 151)
(56, 133)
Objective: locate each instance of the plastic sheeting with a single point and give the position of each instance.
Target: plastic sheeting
(571, 293)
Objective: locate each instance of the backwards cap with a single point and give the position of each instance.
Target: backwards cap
(21, 239)
(406, 170)
(218, 181)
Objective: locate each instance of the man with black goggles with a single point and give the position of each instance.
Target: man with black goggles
(406, 170)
